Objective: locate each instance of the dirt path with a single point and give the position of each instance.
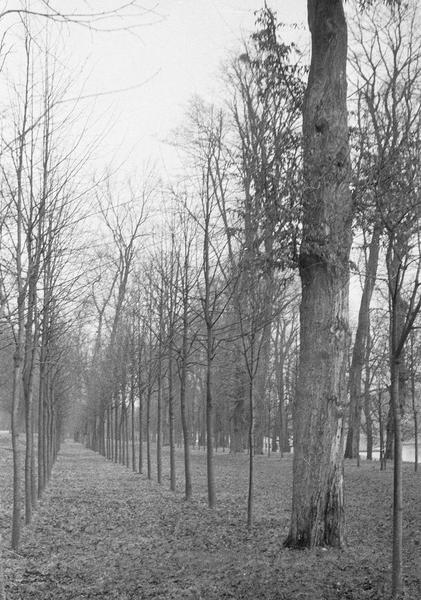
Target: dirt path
(102, 531)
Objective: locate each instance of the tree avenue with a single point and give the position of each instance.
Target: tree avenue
(196, 331)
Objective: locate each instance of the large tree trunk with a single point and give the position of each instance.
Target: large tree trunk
(317, 505)
(360, 349)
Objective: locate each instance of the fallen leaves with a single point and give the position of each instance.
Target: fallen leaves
(102, 531)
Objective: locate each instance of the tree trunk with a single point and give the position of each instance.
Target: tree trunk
(381, 432)
(317, 504)
(183, 408)
(116, 436)
(250, 499)
(41, 421)
(148, 433)
(360, 348)
(140, 393)
(209, 423)
(159, 424)
(414, 406)
(397, 482)
(368, 419)
(171, 418)
(17, 383)
(389, 446)
(140, 455)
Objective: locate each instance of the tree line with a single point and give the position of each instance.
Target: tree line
(187, 324)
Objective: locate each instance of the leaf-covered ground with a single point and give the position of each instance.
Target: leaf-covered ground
(102, 531)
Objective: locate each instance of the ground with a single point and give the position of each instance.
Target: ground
(104, 532)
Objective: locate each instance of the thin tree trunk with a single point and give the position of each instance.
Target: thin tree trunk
(159, 424)
(183, 409)
(390, 434)
(368, 420)
(414, 407)
(17, 379)
(31, 339)
(132, 421)
(140, 393)
(112, 432)
(29, 450)
(41, 430)
(360, 348)
(116, 436)
(148, 433)
(250, 499)
(209, 423)
(397, 484)
(171, 416)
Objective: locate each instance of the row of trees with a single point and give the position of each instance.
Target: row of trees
(186, 331)
(245, 212)
(203, 314)
(43, 202)
(244, 208)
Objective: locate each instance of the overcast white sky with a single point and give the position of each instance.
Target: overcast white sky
(176, 56)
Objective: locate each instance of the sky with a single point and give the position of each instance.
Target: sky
(175, 55)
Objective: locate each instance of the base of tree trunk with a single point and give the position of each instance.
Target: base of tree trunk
(324, 525)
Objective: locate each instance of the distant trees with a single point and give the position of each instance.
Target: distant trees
(38, 187)
(206, 301)
(387, 65)
(267, 92)
(41, 189)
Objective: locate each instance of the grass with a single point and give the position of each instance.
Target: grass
(102, 531)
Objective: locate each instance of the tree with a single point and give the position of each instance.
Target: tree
(266, 83)
(317, 502)
(389, 66)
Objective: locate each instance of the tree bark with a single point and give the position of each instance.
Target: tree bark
(183, 402)
(171, 418)
(317, 503)
(209, 420)
(397, 482)
(250, 498)
(159, 421)
(17, 379)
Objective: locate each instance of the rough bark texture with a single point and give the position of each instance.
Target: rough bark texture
(317, 508)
